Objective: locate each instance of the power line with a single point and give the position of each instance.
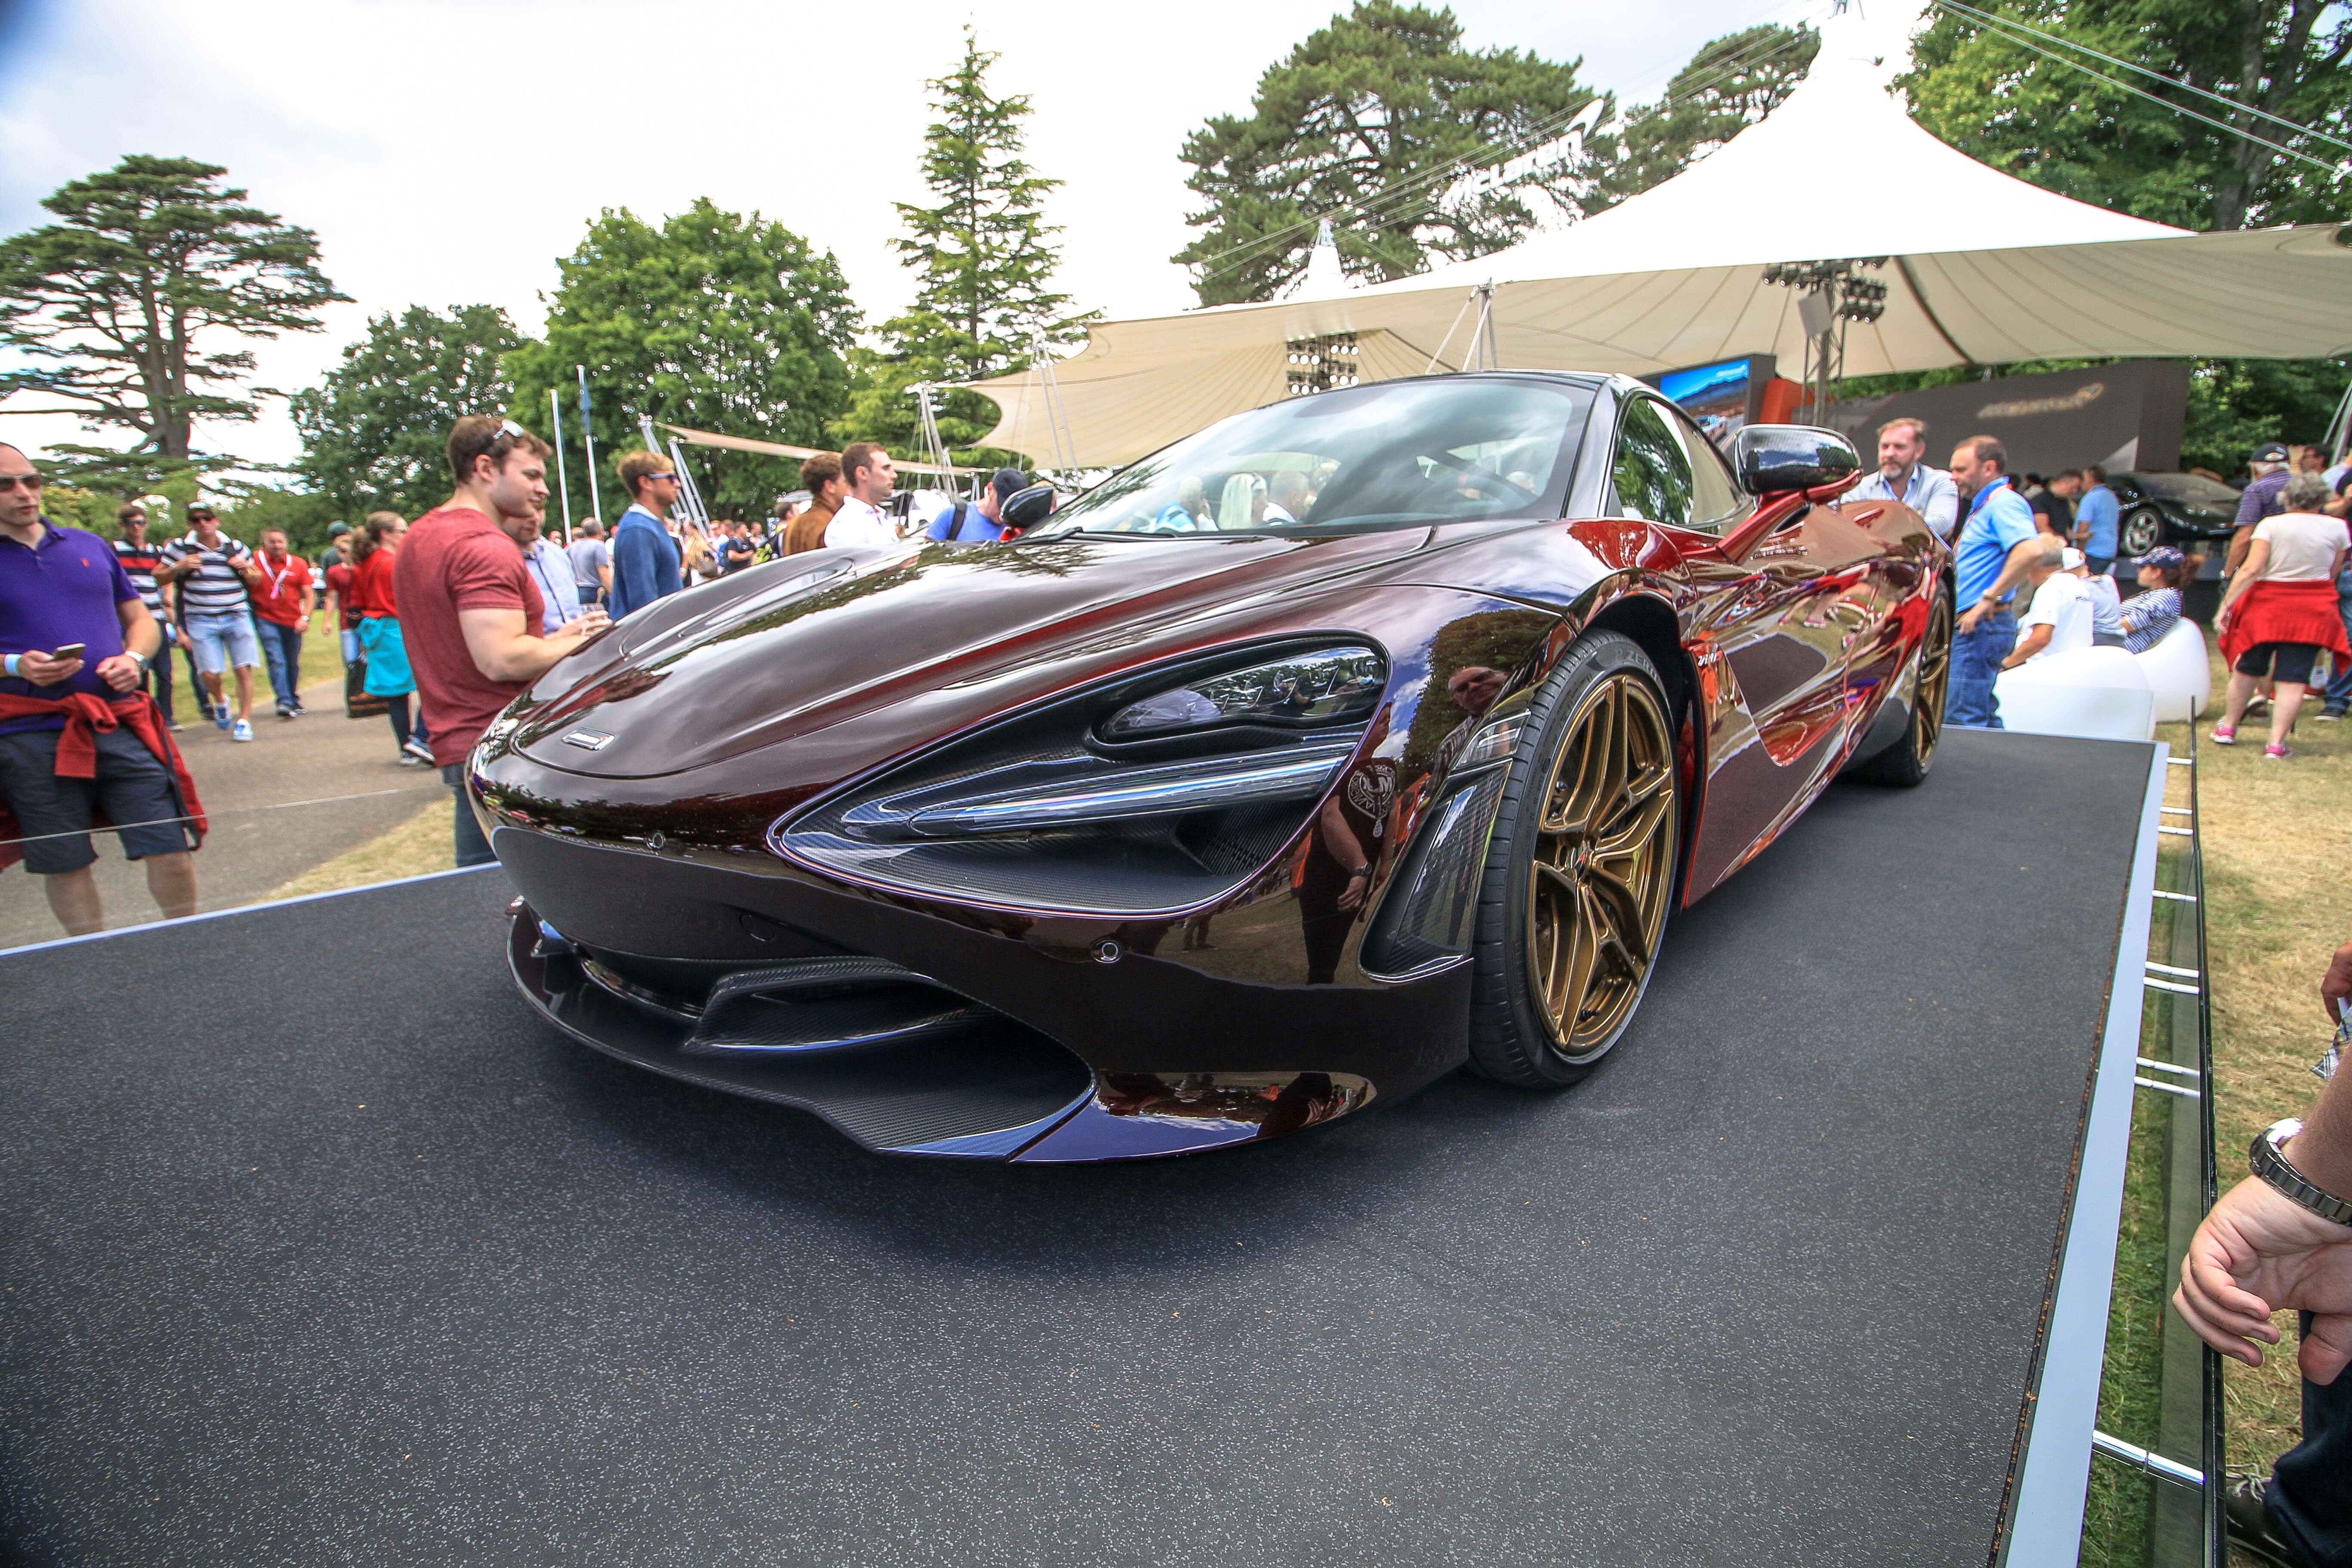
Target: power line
(1384, 200)
(2025, 43)
(2221, 99)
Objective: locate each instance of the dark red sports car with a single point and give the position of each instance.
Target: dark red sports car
(1353, 738)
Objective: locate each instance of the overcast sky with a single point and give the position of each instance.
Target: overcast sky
(447, 153)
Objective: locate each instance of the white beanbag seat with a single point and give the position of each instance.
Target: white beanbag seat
(2179, 673)
(2099, 693)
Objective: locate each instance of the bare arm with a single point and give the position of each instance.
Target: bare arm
(2258, 560)
(2036, 638)
(2012, 572)
(1344, 846)
(504, 650)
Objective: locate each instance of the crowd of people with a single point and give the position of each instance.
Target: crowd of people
(439, 622)
(2034, 569)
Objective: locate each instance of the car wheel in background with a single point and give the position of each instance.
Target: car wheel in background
(2143, 530)
(1905, 764)
(1581, 871)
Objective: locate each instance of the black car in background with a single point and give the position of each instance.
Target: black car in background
(2188, 511)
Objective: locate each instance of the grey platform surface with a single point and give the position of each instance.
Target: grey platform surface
(317, 1247)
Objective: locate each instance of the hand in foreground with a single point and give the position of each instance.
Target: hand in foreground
(2256, 1254)
(120, 672)
(1353, 895)
(1972, 615)
(42, 669)
(2221, 621)
(586, 624)
(2336, 983)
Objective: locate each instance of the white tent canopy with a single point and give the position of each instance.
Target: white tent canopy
(1984, 270)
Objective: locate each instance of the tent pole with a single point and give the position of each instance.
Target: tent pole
(555, 413)
(588, 434)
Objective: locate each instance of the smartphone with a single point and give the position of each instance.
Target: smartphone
(70, 650)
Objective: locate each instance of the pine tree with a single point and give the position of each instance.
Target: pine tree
(986, 256)
(119, 310)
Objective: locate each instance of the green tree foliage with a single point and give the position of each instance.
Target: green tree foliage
(374, 431)
(714, 320)
(1415, 146)
(122, 311)
(1991, 93)
(1728, 85)
(984, 255)
(2068, 131)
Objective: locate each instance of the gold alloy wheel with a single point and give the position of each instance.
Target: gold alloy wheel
(1935, 676)
(1603, 864)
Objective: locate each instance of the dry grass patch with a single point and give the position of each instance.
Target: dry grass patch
(425, 842)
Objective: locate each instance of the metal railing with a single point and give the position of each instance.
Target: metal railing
(2186, 1526)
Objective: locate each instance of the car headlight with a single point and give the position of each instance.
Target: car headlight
(1328, 686)
(1149, 793)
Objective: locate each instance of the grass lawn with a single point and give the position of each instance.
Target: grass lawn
(2274, 834)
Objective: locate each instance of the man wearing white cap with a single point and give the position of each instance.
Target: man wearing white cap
(2059, 619)
(2099, 592)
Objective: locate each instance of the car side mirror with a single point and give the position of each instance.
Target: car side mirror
(1025, 508)
(1779, 459)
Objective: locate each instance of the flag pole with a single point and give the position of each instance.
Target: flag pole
(555, 413)
(588, 434)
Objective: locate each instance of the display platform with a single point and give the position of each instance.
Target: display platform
(318, 1246)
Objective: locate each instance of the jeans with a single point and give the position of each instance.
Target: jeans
(2100, 565)
(1976, 661)
(220, 641)
(282, 646)
(2309, 1501)
(2338, 695)
(158, 680)
(473, 849)
(350, 647)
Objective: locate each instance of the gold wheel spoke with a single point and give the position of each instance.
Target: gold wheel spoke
(1584, 957)
(1623, 914)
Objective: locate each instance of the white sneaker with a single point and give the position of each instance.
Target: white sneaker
(241, 731)
(417, 749)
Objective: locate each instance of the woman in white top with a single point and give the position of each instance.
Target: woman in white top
(2280, 609)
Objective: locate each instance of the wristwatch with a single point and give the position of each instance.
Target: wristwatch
(144, 662)
(2267, 1158)
(1363, 870)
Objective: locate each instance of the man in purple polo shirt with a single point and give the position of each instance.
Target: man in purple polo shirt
(71, 623)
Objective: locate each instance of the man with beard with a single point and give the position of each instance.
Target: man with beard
(469, 609)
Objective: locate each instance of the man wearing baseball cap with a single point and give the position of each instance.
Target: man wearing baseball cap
(2259, 499)
(980, 521)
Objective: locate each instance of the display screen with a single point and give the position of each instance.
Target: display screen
(1714, 394)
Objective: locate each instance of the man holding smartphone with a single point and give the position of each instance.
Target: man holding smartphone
(76, 735)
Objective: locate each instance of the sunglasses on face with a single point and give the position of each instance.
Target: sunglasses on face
(30, 481)
(671, 478)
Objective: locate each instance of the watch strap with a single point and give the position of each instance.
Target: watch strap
(2267, 1159)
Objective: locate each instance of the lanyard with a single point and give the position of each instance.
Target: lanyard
(278, 578)
(548, 605)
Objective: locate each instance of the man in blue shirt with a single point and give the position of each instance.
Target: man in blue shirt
(978, 521)
(2097, 519)
(645, 559)
(1997, 542)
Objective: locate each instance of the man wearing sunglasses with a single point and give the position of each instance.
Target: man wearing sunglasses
(78, 737)
(646, 561)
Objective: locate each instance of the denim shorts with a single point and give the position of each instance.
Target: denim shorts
(220, 641)
(134, 788)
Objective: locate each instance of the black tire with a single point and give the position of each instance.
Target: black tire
(1513, 1034)
(1905, 764)
(2142, 532)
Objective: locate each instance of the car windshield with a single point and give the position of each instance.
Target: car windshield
(1366, 456)
(2193, 488)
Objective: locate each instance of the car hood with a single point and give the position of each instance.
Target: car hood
(797, 645)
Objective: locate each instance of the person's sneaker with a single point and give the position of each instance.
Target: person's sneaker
(2261, 704)
(417, 749)
(241, 731)
(2223, 735)
(2276, 753)
(221, 717)
(285, 712)
(2246, 1516)
(406, 761)
(2328, 715)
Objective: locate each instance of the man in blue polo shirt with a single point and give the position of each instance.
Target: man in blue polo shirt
(2097, 522)
(1998, 541)
(74, 634)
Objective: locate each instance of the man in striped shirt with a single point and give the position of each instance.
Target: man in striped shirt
(213, 570)
(140, 560)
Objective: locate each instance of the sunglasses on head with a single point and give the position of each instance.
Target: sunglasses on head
(30, 481)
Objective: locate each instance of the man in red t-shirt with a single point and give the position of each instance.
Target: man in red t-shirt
(281, 600)
(469, 610)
